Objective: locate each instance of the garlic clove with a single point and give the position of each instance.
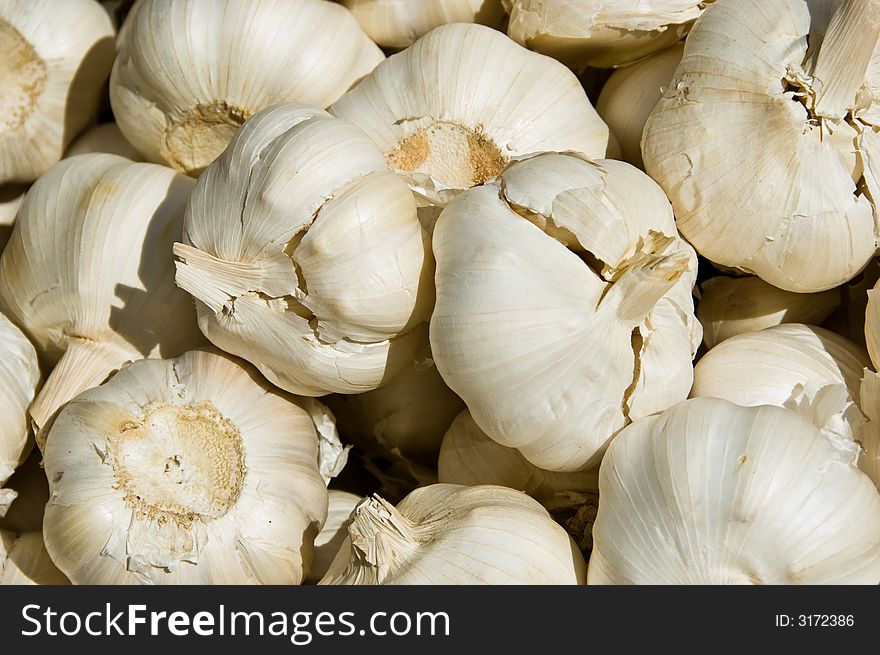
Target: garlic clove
(24, 561)
(709, 492)
(192, 470)
(448, 534)
(190, 72)
(103, 138)
(333, 534)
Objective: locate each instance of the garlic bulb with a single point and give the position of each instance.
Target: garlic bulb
(564, 305)
(88, 272)
(31, 491)
(396, 24)
(333, 534)
(795, 206)
(449, 534)
(451, 110)
(190, 72)
(51, 85)
(469, 457)
(709, 492)
(735, 305)
(599, 33)
(103, 138)
(19, 381)
(630, 94)
(185, 471)
(306, 255)
(24, 561)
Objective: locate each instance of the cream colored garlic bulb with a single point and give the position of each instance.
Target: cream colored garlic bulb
(19, 382)
(190, 72)
(396, 24)
(333, 534)
(469, 457)
(24, 561)
(451, 110)
(709, 492)
(599, 33)
(191, 470)
(768, 149)
(88, 273)
(449, 534)
(630, 94)
(730, 306)
(56, 58)
(564, 305)
(103, 138)
(306, 255)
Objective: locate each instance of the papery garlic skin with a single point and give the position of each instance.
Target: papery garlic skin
(24, 561)
(449, 534)
(332, 535)
(599, 33)
(396, 24)
(794, 207)
(190, 72)
(51, 86)
(564, 305)
(88, 272)
(709, 492)
(103, 138)
(450, 111)
(306, 255)
(185, 471)
(730, 306)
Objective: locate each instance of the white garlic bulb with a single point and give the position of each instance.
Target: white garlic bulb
(329, 540)
(629, 95)
(306, 255)
(469, 457)
(599, 33)
(19, 381)
(730, 306)
(192, 470)
(24, 561)
(449, 534)
(709, 492)
(190, 72)
(396, 24)
(88, 272)
(795, 206)
(564, 305)
(51, 85)
(450, 111)
(103, 138)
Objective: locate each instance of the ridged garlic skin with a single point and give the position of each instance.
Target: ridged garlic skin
(24, 561)
(190, 72)
(793, 207)
(599, 33)
(103, 138)
(88, 272)
(51, 85)
(334, 532)
(185, 471)
(306, 255)
(735, 305)
(469, 457)
(449, 534)
(564, 305)
(450, 111)
(869, 437)
(19, 382)
(709, 492)
(396, 24)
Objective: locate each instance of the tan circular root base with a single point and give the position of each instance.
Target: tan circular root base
(201, 134)
(22, 77)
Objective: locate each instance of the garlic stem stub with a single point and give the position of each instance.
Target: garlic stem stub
(453, 109)
(306, 255)
(564, 305)
(88, 273)
(449, 534)
(185, 471)
(795, 206)
(24, 561)
(333, 533)
(709, 492)
(600, 34)
(51, 86)
(395, 24)
(190, 72)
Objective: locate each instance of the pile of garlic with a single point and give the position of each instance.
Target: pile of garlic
(368, 292)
